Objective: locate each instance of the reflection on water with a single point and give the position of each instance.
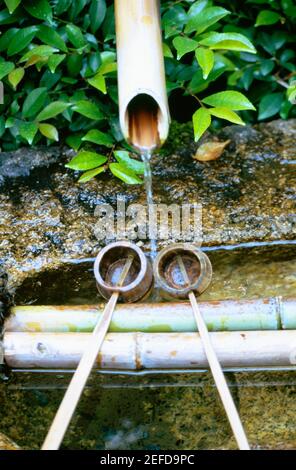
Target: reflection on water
(159, 418)
(169, 412)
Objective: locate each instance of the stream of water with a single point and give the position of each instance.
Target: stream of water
(146, 157)
(144, 137)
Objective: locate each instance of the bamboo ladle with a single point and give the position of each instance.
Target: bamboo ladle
(213, 361)
(71, 398)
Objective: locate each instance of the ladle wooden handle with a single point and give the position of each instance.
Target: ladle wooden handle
(224, 392)
(222, 387)
(71, 398)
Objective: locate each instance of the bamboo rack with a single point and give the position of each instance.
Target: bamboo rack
(150, 351)
(240, 315)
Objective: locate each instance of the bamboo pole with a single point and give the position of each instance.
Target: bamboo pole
(141, 351)
(140, 64)
(227, 315)
(287, 312)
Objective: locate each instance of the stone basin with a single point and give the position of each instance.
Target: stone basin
(47, 245)
(47, 217)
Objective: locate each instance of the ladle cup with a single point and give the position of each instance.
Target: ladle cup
(109, 264)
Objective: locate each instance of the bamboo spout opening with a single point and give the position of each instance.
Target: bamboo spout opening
(143, 105)
(144, 117)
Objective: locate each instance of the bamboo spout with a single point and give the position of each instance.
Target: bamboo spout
(143, 105)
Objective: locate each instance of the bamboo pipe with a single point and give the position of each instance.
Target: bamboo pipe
(150, 351)
(143, 106)
(228, 315)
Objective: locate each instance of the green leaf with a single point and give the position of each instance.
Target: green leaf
(49, 131)
(6, 38)
(10, 122)
(167, 51)
(28, 130)
(16, 76)
(206, 59)
(202, 21)
(133, 165)
(100, 138)
(54, 61)
(97, 12)
(62, 6)
(266, 67)
(37, 60)
(184, 45)
(91, 174)
(50, 37)
(34, 102)
(291, 94)
(229, 99)
(124, 174)
(228, 114)
(74, 141)
(94, 61)
(86, 161)
(2, 125)
(52, 110)
(21, 40)
(40, 9)
(74, 64)
(197, 8)
(108, 67)
(7, 18)
(228, 41)
(88, 109)
(173, 20)
(98, 82)
(267, 17)
(12, 5)
(75, 36)
(201, 122)
(40, 51)
(270, 105)
(5, 68)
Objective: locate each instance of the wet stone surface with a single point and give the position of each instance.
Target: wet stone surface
(47, 218)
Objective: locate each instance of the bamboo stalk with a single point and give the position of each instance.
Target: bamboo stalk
(227, 315)
(141, 66)
(140, 351)
(287, 311)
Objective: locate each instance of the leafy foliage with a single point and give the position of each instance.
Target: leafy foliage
(58, 65)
